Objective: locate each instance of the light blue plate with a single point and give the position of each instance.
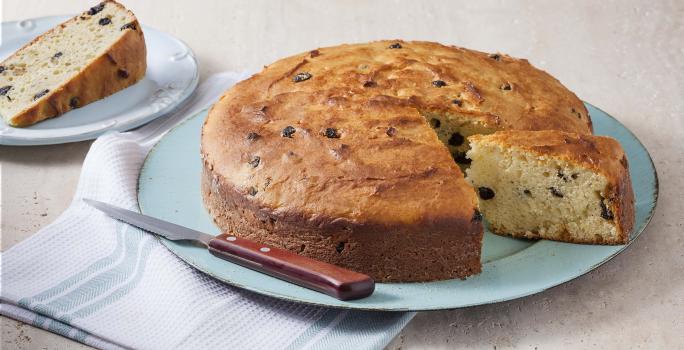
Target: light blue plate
(169, 188)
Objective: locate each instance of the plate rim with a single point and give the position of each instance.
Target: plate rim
(187, 92)
(349, 306)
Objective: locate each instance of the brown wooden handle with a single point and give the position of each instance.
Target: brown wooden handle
(326, 278)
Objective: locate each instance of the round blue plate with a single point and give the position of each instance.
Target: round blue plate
(169, 188)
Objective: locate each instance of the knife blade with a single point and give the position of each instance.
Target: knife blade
(320, 276)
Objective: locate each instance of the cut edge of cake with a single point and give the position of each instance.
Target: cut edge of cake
(553, 185)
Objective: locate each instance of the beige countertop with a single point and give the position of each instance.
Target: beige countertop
(626, 57)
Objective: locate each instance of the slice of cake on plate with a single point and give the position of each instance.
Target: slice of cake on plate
(82, 60)
(553, 185)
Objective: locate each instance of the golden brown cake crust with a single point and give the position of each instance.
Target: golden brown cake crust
(393, 189)
(331, 146)
(97, 80)
(600, 154)
(495, 89)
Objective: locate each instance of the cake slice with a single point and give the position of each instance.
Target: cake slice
(553, 185)
(82, 60)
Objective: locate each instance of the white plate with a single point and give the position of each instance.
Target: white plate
(171, 77)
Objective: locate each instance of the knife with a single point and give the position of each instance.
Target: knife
(322, 277)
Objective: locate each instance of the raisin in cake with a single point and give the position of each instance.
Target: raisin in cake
(553, 185)
(345, 154)
(84, 59)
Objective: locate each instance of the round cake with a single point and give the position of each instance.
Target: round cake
(351, 154)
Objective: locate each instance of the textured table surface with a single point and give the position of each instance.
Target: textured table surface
(626, 57)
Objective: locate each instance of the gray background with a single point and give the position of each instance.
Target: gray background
(626, 57)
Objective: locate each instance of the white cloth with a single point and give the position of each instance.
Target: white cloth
(109, 285)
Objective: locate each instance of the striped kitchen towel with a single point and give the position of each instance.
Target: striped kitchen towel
(111, 286)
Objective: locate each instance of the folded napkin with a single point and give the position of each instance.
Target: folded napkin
(111, 286)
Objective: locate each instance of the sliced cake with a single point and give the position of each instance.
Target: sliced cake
(553, 185)
(346, 154)
(84, 59)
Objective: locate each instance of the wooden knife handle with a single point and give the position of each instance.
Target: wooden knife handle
(326, 278)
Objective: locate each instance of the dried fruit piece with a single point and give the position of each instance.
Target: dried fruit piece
(288, 131)
(556, 192)
(252, 136)
(340, 247)
(301, 77)
(495, 56)
(314, 53)
(254, 162)
(395, 46)
(96, 9)
(104, 21)
(457, 102)
(605, 212)
(477, 216)
(5, 89)
(439, 83)
(485, 193)
(391, 131)
(73, 102)
(527, 192)
(252, 191)
(369, 84)
(506, 86)
(460, 157)
(122, 73)
(332, 133)
(435, 123)
(40, 94)
(129, 26)
(456, 139)
(575, 112)
(561, 175)
(54, 58)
